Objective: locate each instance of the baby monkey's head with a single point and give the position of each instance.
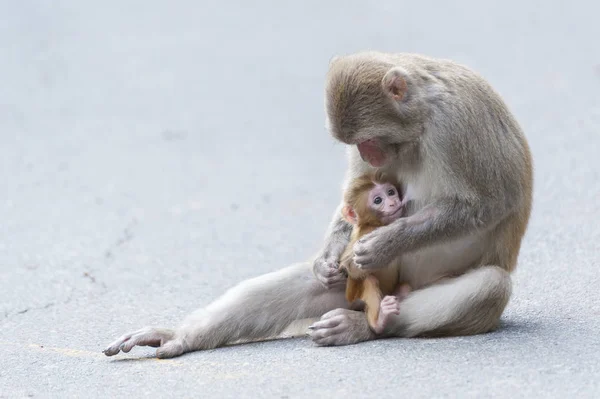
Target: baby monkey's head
(372, 200)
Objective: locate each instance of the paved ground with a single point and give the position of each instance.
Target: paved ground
(146, 161)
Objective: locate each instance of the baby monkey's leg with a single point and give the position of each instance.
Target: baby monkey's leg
(391, 305)
(371, 295)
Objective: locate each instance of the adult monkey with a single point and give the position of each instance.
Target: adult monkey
(466, 169)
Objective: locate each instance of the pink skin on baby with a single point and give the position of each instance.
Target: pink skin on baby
(385, 200)
(390, 305)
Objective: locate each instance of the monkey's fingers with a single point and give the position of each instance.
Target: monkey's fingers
(331, 322)
(330, 276)
(144, 339)
(335, 312)
(330, 281)
(390, 304)
(388, 309)
(115, 346)
(389, 300)
(364, 261)
(335, 279)
(365, 254)
(327, 337)
(321, 331)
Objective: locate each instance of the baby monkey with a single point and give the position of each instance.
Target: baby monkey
(372, 201)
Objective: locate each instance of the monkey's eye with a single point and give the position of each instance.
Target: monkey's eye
(377, 200)
(391, 192)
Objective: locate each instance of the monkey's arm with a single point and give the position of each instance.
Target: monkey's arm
(443, 220)
(326, 264)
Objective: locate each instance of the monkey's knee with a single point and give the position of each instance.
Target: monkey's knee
(498, 295)
(496, 287)
(473, 304)
(485, 308)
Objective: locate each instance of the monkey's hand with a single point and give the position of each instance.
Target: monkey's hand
(341, 327)
(328, 272)
(379, 248)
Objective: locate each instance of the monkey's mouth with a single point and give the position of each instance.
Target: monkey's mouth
(371, 152)
(398, 212)
(395, 215)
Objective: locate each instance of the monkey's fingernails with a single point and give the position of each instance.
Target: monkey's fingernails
(311, 327)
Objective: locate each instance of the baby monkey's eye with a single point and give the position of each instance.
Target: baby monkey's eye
(391, 192)
(377, 200)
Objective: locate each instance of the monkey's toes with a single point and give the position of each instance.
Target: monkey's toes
(111, 351)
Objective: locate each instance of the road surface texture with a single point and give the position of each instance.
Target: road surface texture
(153, 154)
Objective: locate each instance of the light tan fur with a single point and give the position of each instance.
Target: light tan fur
(468, 154)
(465, 168)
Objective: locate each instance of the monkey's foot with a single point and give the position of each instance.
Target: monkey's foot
(161, 338)
(341, 327)
(389, 306)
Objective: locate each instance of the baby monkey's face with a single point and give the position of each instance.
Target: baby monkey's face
(385, 200)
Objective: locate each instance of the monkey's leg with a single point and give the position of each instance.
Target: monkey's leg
(469, 304)
(371, 295)
(326, 265)
(465, 305)
(354, 289)
(257, 308)
(388, 307)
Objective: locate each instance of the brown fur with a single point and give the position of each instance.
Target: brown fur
(367, 286)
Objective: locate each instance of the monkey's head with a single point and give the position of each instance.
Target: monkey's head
(373, 104)
(372, 200)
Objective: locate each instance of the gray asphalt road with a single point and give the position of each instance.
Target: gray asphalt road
(153, 154)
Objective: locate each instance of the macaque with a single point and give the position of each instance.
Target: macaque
(466, 173)
(372, 202)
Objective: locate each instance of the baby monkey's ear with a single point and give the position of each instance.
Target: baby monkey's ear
(349, 214)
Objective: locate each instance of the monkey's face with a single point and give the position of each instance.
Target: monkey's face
(377, 144)
(373, 152)
(384, 200)
(377, 141)
(367, 105)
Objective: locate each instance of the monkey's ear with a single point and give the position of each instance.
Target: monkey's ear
(349, 214)
(394, 83)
